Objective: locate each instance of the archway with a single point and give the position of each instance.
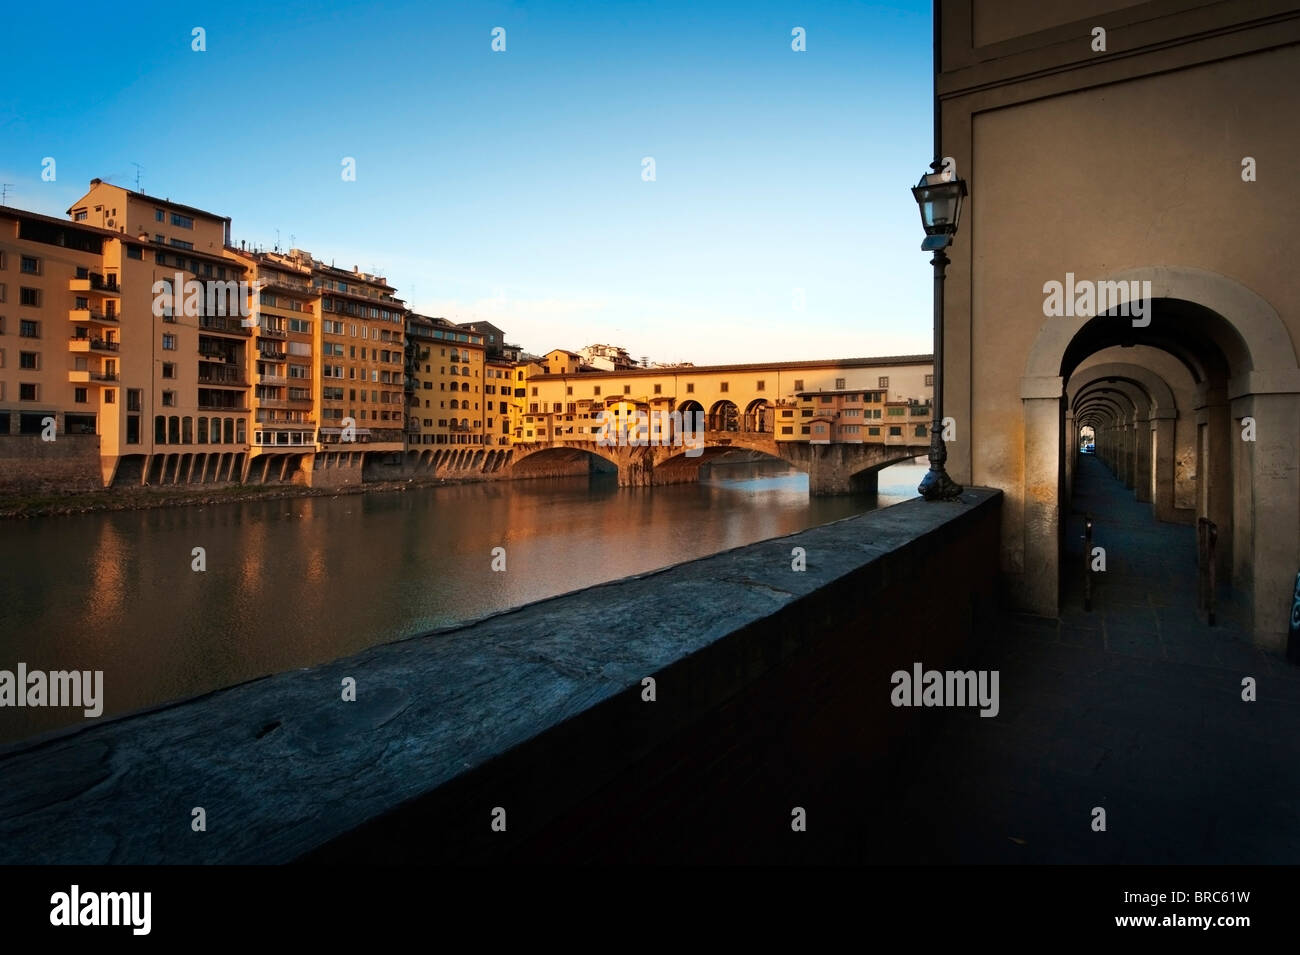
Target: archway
(1246, 406)
(758, 416)
(724, 416)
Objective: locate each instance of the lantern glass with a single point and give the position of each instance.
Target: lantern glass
(939, 200)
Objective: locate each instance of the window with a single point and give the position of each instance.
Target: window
(874, 431)
(80, 215)
(169, 369)
(27, 392)
(134, 252)
(920, 431)
(169, 342)
(798, 384)
(27, 359)
(883, 382)
(659, 389)
(134, 398)
(160, 429)
(2, 291)
(762, 385)
(79, 395)
(133, 429)
(595, 390)
(789, 430)
(29, 296)
(929, 381)
(690, 387)
(27, 328)
(568, 390)
(627, 389)
(839, 384)
(895, 432)
(31, 265)
(110, 396)
(180, 244)
(724, 387)
(173, 430)
(185, 222)
(159, 216)
(169, 399)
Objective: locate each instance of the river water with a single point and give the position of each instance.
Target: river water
(297, 582)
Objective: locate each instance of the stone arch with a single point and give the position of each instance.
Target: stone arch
(1244, 365)
(759, 416)
(724, 416)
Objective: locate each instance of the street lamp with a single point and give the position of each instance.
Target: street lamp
(939, 195)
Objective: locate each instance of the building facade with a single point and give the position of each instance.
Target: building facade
(1143, 144)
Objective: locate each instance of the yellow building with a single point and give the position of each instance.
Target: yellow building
(447, 400)
(283, 363)
(61, 334)
(780, 398)
(362, 363)
(183, 294)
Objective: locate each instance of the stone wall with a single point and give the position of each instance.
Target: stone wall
(772, 690)
(67, 465)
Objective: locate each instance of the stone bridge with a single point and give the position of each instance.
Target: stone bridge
(838, 468)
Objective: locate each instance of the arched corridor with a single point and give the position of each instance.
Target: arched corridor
(1197, 410)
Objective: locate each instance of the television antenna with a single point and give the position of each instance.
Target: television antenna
(4, 192)
(138, 170)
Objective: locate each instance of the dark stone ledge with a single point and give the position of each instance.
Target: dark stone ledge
(538, 710)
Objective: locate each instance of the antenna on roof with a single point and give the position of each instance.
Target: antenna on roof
(277, 240)
(138, 170)
(4, 192)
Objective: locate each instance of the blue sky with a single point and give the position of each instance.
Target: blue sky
(508, 186)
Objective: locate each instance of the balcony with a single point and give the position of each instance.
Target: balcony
(222, 381)
(94, 283)
(227, 409)
(85, 345)
(216, 356)
(223, 326)
(268, 378)
(270, 354)
(87, 377)
(293, 403)
(264, 331)
(92, 317)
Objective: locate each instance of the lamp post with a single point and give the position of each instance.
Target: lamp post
(939, 195)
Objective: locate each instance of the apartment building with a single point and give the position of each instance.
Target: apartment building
(184, 306)
(283, 362)
(448, 401)
(363, 359)
(61, 332)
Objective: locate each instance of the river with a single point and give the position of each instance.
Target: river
(297, 582)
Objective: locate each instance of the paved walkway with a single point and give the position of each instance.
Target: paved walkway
(1135, 707)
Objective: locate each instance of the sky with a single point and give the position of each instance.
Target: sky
(512, 186)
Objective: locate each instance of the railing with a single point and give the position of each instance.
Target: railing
(234, 409)
(210, 323)
(223, 381)
(267, 332)
(98, 344)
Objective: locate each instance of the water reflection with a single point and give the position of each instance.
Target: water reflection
(293, 583)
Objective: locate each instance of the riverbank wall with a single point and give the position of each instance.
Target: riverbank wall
(737, 708)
